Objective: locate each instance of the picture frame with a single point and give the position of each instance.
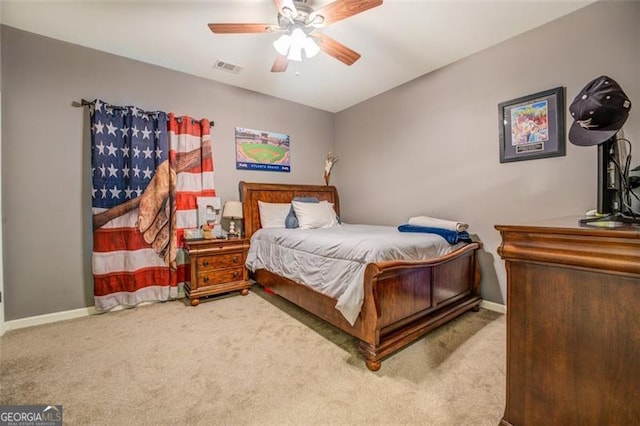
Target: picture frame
(532, 126)
(262, 150)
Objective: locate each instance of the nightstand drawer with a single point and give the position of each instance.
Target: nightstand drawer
(220, 261)
(219, 277)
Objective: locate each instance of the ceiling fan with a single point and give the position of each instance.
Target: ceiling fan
(298, 22)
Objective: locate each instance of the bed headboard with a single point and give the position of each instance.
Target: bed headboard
(251, 193)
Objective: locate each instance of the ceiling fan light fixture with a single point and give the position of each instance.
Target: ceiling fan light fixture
(295, 54)
(282, 44)
(292, 45)
(298, 37)
(311, 48)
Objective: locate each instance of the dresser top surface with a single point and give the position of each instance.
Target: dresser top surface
(572, 225)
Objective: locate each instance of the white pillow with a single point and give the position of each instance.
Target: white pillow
(272, 215)
(314, 215)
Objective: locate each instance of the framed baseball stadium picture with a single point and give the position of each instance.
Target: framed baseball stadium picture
(262, 150)
(532, 126)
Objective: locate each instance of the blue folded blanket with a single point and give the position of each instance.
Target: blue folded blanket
(452, 237)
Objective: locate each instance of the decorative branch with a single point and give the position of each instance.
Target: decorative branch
(328, 165)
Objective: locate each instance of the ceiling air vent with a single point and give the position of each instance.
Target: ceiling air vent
(228, 67)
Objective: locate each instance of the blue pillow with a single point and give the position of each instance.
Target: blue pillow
(292, 221)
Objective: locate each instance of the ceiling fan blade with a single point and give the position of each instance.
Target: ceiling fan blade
(240, 28)
(337, 50)
(280, 64)
(341, 9)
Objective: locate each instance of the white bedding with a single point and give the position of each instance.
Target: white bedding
(332, 260)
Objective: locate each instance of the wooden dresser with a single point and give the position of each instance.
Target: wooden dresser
(573, 324)
(217, 266)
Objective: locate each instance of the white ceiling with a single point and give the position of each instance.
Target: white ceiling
(399, 40)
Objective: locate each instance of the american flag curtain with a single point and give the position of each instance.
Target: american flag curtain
(148, 168)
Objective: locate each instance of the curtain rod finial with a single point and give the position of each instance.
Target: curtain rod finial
(81, 103)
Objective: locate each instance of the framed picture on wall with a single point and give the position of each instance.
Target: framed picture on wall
(532, 126)
(262, 150)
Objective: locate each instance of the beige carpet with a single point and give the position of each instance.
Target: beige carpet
(250, 360)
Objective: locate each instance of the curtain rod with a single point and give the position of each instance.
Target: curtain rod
(84, 102)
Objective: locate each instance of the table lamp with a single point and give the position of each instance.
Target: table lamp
(232, 210)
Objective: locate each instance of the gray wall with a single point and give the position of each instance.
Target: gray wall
(431, 146)
(46, 160)
(427, 147)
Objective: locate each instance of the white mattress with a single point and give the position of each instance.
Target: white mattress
(332, 260)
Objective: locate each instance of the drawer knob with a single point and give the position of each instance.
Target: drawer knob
(205, 263)
(235, 275)
(235, 259)
(205, 279)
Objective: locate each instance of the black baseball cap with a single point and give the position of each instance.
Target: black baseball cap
(599, 112)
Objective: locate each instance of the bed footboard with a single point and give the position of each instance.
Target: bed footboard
(404, 300)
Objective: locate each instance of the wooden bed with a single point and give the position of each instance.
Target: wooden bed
(403, 300)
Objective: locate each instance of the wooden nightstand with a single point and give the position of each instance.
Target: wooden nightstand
(217, 266)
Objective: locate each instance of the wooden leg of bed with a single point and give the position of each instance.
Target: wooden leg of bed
(244, 291)
(371, 356)
(195, 302)
(373, 365)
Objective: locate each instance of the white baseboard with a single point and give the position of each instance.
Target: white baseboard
(61, 316)
(492, 306)
(48, 318)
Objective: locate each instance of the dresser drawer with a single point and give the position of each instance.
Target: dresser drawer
(220, 261)
(220, 276)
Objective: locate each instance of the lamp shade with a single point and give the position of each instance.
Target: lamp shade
(232, 210)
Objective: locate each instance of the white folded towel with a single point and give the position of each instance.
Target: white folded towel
(432, 222)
